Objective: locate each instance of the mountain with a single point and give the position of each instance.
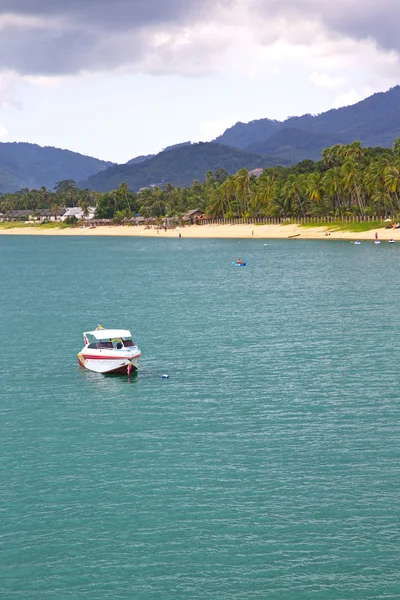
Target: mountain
(242, 135)
(139, 159)
(168, 148)
(25, 165)
(179, 167)
(295, 144)
(374, 121)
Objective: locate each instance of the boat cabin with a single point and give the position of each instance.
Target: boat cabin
(112, 339)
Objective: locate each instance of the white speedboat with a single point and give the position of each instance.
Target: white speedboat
(109, 351)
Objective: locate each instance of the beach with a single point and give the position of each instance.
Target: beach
(243, 231)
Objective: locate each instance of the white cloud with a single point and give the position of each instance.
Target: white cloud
(3, 131)
(351, 97)
(327, 82)
(208, 130)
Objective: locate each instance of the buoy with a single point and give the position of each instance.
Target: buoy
(129, 370)
(165, 376)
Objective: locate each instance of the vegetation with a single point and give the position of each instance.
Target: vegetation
(375, 121)
(353, 227)
(29, 166)
(348, 181)
(262, 143)
(179, 166)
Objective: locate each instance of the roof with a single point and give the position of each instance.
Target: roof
(106, 334)
(193, 212)
(71, 212)
(47, 212)
(256, 172)
(19, 213)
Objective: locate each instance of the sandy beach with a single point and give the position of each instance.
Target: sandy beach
(262, 232)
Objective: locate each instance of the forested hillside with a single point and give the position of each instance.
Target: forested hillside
(29, 166)
(349, 180)
(262, 143)
(374, 121)
(179, 166)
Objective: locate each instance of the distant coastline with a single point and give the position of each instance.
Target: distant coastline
(260, 232)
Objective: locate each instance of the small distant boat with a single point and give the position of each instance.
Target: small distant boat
(109, 351)
(240, 264)
(376, 242)
(391, 241)
(357, 243)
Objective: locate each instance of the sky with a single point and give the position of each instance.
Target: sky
(115, 79)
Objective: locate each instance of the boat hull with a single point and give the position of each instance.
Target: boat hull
(113, 365)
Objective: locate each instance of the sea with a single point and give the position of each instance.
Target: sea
(267, 466)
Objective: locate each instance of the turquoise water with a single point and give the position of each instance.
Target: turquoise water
(267, 466)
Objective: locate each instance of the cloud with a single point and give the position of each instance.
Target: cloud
(327, 82)
(3, 131)
(189, 37)
(50, 37)
(347, 99)
(208, 130)
(47, 43)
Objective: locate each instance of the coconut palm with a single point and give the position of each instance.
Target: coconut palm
(353, 183)
(242, 188)
(332, 183)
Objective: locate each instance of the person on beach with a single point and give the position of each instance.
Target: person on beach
(376, 235)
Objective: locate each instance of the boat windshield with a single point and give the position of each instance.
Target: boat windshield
(128, 343)
(99, 345)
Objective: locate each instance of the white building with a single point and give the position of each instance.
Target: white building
(76, 211)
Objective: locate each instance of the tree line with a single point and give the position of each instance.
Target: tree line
(348, 180)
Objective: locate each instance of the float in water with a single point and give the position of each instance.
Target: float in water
(240, 263)
(109, 351)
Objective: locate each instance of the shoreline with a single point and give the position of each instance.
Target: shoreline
(261, 232)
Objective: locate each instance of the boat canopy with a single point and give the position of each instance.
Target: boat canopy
(109, 334)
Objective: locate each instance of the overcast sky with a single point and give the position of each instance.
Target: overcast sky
(119, 78)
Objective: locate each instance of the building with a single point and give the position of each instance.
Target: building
(192, 215)
(76, 211)
(256, 172)
(45, 214)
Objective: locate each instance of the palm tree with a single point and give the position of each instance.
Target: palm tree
(242, 187)
(220, 201)
(293, 192)
(353, 182)
(55, 209)
(315, 191)
(332, 184)
(266, 189)
(84, 206)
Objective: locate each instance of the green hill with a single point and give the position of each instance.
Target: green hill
(296, 144)
(139, 159)
(179, 166)
(31, 166)
(374, 121)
